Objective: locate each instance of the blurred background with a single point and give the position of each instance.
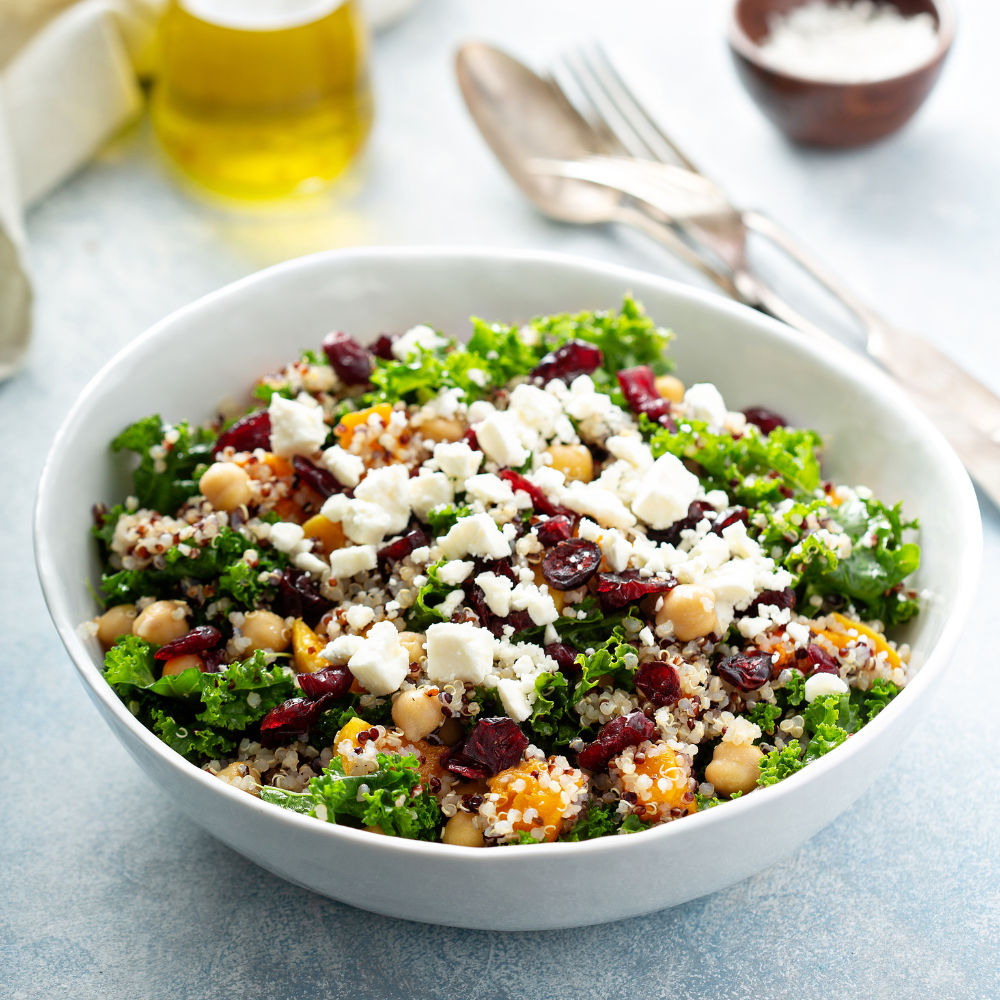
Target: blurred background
(902, 898)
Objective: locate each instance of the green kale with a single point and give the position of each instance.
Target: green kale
(779, 764)
(193, 743)
(130, 662)
(424, 610)
(823, 740)
(105, 530)
(420, 379)
(752, 469)
(830, 718)
(389, 802)
(443, 518)
(504, 350)
(876, 698)
(243, 693)
(265, 391)
(222, 560)
(704, 802)
(879, 561)
(334, 718)
(633, 824)
(765, 715)
(582, 633)
(599, 820)
(552, 724)
(165, 490)
(615, 658)
(795, 689)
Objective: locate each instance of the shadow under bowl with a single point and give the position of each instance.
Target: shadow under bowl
(834, 115)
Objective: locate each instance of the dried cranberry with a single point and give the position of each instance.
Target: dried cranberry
(334, 680)
(299, 597)
(196, 641)
(574, 358)
(778, 598)
(249, 432)
(492, 746)
(316, 478)
(214, 660)
(290, 720)
(822, 662)
(731, 515)
(767, 420)
(539, 501)
(403, 546)
(351, 361)
(639, 389)
(382, 348)
(672, 535)
(659, 683)
(471, 440)
(625, 731)
(555, 530)
(571, 564)
(618, 589)
(476, 600)
(746, 671)
(565, 655)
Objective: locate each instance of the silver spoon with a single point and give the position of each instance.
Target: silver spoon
(524, 118)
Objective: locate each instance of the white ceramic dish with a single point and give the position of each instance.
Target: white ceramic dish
(220, 344)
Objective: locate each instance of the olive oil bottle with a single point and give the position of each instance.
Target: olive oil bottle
(261, 98)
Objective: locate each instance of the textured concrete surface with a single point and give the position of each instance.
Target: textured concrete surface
(106, 891)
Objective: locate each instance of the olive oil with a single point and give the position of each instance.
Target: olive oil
(261, 98)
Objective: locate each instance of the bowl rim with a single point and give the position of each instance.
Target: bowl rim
(743, 45)
(845, 362)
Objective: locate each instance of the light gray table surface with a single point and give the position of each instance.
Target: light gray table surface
(107, 891)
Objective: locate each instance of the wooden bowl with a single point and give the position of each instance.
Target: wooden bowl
(832, 114)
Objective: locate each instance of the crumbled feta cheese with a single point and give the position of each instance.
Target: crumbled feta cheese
(446, 404)
(822, 684)
(450, 604)
(496, 590)
(459, 652)
(478, 535)
(513, 699)
(551, 635)
(750, 628)
(646, 637)
(310, 563)
(665, 492)
(535, 408)
(455, 572)
(480, 410)
(489, 489)
(704, 402)
(381, 663)
(350, 561)
(799, 634)
(296, 429)
(285, 535)
(408, 345)
(589, 531)
(498, 438)
(457, 460)
(540, 606)
(429, 491)
(359, 616)
(616, 550)
(389, 488)
(598, 503)
(632, 449)
(342, 648)
(346, 468)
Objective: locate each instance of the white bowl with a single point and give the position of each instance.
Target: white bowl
(217, 346)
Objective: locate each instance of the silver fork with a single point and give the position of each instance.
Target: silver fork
(966, 411)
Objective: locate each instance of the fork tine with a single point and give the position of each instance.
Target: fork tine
(603, 108)
(637, 117)
(563, 82)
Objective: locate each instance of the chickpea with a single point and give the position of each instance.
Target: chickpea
(115, 622)
(242, 776)
(225, 486)
(574, 461)
(178, 664)
(162, 622)
(442, 429)
(734, 768)
(461, 831)
(670, 387)
(418, 713)
(450, 732)
(413, 643)
(374, 829)
(691, 609)
(265, 630)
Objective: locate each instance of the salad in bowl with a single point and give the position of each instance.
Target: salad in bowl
(523, 589)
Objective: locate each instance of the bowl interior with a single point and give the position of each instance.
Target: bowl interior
(219, 346)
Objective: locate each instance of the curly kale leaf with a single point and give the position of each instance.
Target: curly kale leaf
(130, 662)
(795, 689)
(167, 489)
(615, 658)
(830, 719)
(752, 469)
(584, 633)
(598, 821)
(222, 561)
(766, 716)
(194, 743)
(243, 693)
(779, 764)
(424, 610)
(442, 519)
(420, 379)
(872, 701)
(391, 801)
